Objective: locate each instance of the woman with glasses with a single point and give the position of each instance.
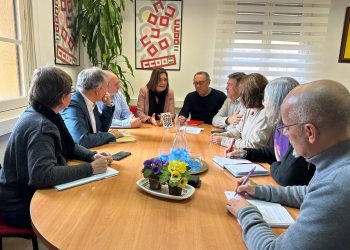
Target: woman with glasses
(39, 147)
(287, 168)
(253, 130)
(155, 98)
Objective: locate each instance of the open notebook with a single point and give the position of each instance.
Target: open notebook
(240, 167)
(273, 213)
(109, 173)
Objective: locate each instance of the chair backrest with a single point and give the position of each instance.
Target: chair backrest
(9, 231)
(133, 109)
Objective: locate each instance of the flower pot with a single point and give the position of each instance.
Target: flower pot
(154, 184)
(175, 190)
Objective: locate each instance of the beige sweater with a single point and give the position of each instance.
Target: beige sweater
(253, 131)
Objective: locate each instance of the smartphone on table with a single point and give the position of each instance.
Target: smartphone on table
(120, 155)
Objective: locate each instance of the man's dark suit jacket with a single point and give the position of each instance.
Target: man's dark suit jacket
(77, 119)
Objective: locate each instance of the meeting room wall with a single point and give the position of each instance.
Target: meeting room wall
(198, 38)
(332, 69)
(198, 35)
(197, 48)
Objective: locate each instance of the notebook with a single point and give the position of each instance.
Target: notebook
(240, 167)
(127, 138)
(222, 161)
(109, 173)
(273, 213)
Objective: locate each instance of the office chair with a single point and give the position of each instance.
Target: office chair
(9, 231)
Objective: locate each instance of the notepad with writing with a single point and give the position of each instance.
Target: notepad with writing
(240, 167)
(274, 214)
(109, 173)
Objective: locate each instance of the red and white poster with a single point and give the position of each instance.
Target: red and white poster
(66, 52)
(158, 26)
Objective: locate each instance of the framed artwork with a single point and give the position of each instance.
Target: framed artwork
(66, 51)
(344, 55)
(158, 34)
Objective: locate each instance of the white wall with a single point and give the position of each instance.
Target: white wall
(198, 31)
(198, 27)
(332, 69)
(42, 11)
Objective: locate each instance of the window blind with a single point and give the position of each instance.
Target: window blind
(275, 38)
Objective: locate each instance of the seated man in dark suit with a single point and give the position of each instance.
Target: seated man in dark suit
(204, 103)
(85, 123)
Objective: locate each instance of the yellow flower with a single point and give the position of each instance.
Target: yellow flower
(183, 183)
(175, 176)
(177, 166)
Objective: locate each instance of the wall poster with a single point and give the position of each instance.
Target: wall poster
(158, 26)
(66, 52)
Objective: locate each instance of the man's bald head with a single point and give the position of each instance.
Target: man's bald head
(324, 103)
(113, 82)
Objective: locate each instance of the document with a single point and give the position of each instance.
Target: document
(109, 173)
(240, 167)
(124, 139)
(222, 161)
(191, 130)
(273, 213)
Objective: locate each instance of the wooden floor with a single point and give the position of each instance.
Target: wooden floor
(20, 244)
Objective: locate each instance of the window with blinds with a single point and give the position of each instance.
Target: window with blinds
(274, 38)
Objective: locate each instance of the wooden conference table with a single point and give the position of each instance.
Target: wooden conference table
(115, 214)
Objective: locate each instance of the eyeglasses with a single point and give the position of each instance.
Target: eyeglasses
(199, 83)
(282, 128)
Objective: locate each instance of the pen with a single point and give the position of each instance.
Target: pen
(231, 147)
(245, 179)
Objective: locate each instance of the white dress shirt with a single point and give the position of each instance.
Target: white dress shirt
(90, 106)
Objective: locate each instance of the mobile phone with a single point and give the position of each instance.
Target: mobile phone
(120, 155)
(218, 131)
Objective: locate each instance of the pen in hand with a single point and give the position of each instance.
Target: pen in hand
(228, 150)
(245, 180)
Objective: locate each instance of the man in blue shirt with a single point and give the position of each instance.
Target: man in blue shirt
(122, 116)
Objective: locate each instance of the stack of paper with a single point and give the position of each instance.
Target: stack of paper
(273, 213)
(109, 173)
(191, 130)
(240, 167)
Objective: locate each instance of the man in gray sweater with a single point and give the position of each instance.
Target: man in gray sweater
(317, 122)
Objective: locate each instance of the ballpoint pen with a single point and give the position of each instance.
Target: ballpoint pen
(245, 179)
(228, 150)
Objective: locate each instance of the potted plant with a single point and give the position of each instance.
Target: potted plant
(99, 23)
(176, 174)
(152, 170)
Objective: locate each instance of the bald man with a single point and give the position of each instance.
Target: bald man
(122, 116)
(316, 119)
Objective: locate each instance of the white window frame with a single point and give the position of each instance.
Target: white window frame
(11, 109)
(239, 35)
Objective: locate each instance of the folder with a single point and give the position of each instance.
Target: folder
(240, 167)
(194, 122)
(109, 173)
